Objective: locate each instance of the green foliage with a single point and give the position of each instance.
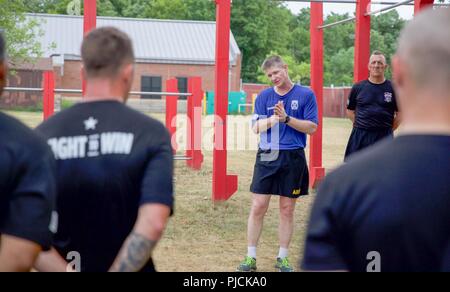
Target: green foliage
(19, 32)
(65, 104)
(338, 69)
(298, 72)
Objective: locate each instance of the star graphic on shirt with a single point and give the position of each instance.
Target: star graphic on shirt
(90, 124)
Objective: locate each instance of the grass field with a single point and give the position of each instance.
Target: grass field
(203, 237)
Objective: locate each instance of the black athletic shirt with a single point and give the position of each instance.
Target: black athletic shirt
(27, 184)
(111, 160)
(393, 199)
(374, 105)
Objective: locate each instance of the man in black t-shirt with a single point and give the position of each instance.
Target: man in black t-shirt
(372, 107)
(27, 190)
(115, 167)
(388, 208)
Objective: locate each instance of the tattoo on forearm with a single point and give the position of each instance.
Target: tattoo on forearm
(135, 254)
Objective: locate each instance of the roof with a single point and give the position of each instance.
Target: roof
(42, 64)
(155, 41)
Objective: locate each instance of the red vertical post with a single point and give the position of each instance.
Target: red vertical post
(194, 128)
(90, 22)
(224, 186)
(172, 110)
(421, 4)
(48, 95)
(362, 41)
(317, 172)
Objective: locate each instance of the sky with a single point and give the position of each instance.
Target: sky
(405, 12)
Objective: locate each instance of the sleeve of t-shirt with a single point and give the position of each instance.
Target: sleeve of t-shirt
(260, 111)
(311, 111)
(157, 186)
(351, 103)
(33, 198)
(322, 251)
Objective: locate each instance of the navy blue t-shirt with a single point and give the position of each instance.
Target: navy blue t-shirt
(299, 103)
(27, 184)
(110, 161)
(375, 105)
(393, 199)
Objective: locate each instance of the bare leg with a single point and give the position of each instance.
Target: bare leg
(286, 227)
(260, 204)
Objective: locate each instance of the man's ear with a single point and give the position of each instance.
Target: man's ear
(398, 72)
(83, 73)
(128, 73)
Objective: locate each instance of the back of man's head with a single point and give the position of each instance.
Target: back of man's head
(424, 48)
(105, 51)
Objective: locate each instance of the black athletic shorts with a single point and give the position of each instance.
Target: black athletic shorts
(362, 138)
(284, 173)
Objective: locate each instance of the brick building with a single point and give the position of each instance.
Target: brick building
(163, 48)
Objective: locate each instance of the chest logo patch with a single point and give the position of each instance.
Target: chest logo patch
(388, 97)
(294, 105)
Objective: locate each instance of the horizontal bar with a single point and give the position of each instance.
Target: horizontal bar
(181, 158)
(57, 90)
(23, 89)
(160, 93)
(60, 90)
(394, 5)
(336, 23)
(354, 2)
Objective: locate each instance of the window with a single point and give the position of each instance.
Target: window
(151, 84)
(182, 86)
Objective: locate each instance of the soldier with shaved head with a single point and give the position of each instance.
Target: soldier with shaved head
(388, 208)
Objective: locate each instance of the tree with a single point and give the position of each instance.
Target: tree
(298, 72)
(338, 69)
(260, 26)
(20, 32)
(300, 44)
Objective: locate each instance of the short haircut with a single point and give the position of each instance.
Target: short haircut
(424, 47)
(378, 53)
(105, 51)
(2, 48)
(272, 61)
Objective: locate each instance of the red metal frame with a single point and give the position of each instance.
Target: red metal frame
(194, 128)
(362, 41)
(90, 23)
(48, 94)
(172, 110)
(422, 4)
(224, 186)
(317, 172)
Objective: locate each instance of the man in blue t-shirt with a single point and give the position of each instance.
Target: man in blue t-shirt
(372, 107)
(284, 115)
(27, 191)
(388, 208)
